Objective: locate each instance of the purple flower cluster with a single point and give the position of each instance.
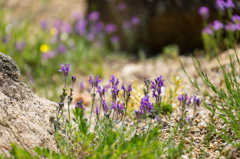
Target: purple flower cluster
(221, 4)
(105, 107)
(101, 91)
(184, 99)
(157, 86)
(196, 101)
(139, 113)
(64, 69)
(118, 108)
(94, 83)
(128, 91)
(146, 105)
(79, 104)
(20, 45)
(207, 30)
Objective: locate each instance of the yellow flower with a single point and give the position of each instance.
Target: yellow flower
(53, 31)
(44, 48)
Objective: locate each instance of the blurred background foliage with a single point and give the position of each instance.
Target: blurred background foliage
(41, 34)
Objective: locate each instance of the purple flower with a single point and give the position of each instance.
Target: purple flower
(62, 48)
(120, 108)
(45, 56)
(220, 4)
(139, 113)
(122, 6)
(67, 28)
(127, 24)
(105, 107)
(94, 83)
(135, 20)
(93, 16)
(20, 45)
(73, 79)
(101, 91)
(229, 4)
(97, 111)
(6, 39)
(124, 89)
(90, 36)
(81, 27)
(129, 90)
(57, 24)
(110, 28)
(112, 80)
(157, 86)
(115, 91)
(230, 27)
(114, 106)
(117, 82)
(217, 25)
(64, 69)
(80, 105)
(196, 100)
(236, 18)
(204, 12)
(114, 39)
(82, 86)
(187, 119)
(51, 53)
(189, 101)
(44, 24)
(207, 31)
(91, 81)
(145, 104)
(98, 80)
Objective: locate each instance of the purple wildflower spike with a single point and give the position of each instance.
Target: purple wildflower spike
(204, 12)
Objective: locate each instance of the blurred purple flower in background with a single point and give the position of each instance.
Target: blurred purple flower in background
(20, 45)
(99, 25)
(6, 39)
(93, 16)
(237, 26)
(217, 25)
(207, 31)
(82, 86)
(52, 53)
(122, 6)
(135, 20)
(90, 36)
(114, 39)
(45, 56)
(81, 27)
(236, 18)
(229, 4)
(127, 24)
(57, 24)
(62, 48)
(67, 28)
(204, 12)
(44, 24)
(230, 27)
(220, 4)
(110, 28)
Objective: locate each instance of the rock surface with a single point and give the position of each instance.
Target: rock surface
(24, 117)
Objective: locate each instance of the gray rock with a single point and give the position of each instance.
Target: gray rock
(24, 117)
